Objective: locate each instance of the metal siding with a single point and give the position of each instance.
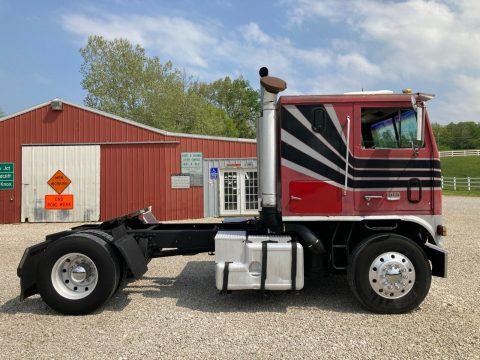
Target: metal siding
(81, 164)
(154, 163)
(211, 190)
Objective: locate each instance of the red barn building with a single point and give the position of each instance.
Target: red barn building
(65, 162)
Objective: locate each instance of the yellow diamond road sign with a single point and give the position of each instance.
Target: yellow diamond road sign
(59, 182)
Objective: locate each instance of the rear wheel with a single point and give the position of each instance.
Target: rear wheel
(389, 274)
(77, 274)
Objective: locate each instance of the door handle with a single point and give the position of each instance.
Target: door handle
(295, 198)
(370, 197)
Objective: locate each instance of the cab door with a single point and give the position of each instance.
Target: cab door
(389, 175)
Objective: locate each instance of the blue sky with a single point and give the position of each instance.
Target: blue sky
(317, 46)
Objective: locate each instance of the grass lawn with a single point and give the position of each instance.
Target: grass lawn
(461, 166)
(460, 193)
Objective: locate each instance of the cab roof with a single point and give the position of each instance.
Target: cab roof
(346, 98)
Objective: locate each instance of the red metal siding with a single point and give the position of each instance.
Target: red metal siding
(132, 175)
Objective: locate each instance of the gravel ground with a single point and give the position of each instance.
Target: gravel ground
(176, 312)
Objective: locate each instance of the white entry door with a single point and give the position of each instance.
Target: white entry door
(238, 192)
(77, 166)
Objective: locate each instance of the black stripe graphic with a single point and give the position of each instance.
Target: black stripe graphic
(396, 163)
(297, 157)
(293, 126)
(398, 173)
(361, 184)
(298, 130)
(330, 132)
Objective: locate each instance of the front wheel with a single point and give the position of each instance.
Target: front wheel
(389, 274)
(78, 273)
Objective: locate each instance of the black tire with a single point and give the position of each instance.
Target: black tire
(105, 260)
(359, 266)
(122, 281)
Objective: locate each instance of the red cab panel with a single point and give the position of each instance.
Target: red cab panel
(314, 197)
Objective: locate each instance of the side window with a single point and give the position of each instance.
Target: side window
(388, 128)
(319, 120)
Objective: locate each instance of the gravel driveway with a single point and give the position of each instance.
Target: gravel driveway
(176, 312)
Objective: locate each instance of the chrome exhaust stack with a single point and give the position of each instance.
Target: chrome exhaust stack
(267, 141)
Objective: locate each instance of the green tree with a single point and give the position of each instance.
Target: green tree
(121, 79)
(237, 98)
(457, 136)
(2, 114)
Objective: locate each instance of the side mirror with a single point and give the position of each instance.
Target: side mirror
(419, 106)
(420, 123)
(418, 103)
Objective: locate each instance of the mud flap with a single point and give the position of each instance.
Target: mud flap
(130, 250)
(27, 269)
(439, 259)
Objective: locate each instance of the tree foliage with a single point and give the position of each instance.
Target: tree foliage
(2, 114)
(237, 98)
(122, 79)
(457, 136)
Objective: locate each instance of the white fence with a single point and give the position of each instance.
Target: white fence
(453, 153)
(456, 183)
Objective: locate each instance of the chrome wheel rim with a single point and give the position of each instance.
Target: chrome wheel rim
(74, 276)
(392, 275)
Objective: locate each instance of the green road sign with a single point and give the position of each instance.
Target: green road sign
(7, 176)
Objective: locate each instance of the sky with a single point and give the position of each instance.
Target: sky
(317, 46)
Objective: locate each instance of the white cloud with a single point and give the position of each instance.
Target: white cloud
(356, 63)
(406, 43)
(413, 36)
(461, 103)
(429, 42)
(204, 46)
(173, 37)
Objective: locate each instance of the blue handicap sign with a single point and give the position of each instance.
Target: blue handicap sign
(214, 173)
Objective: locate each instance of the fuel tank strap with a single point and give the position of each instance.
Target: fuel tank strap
(264, 265)
(294, 265)
(226, 271)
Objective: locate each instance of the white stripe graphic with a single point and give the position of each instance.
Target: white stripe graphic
(300, 146)
(308, 172)
(333, 115)
(292, 109)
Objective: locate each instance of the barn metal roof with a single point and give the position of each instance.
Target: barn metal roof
(130, 122)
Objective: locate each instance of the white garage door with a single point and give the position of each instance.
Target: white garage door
(60, 183)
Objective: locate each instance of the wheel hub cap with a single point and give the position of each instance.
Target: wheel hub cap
(392, 275)
(78, 274)
(74, 276)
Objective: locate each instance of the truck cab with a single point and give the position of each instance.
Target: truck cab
(356, 156)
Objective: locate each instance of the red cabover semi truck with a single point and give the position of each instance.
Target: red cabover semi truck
(347, 183)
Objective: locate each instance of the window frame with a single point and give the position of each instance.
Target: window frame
(397, 128)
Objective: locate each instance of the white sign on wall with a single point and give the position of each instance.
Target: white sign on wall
(192, 163)
(180, 182)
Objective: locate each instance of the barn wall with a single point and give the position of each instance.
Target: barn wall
(132, 176)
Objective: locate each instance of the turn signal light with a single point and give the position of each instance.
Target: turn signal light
(442, 230)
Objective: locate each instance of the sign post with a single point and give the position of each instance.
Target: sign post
(7, 176)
